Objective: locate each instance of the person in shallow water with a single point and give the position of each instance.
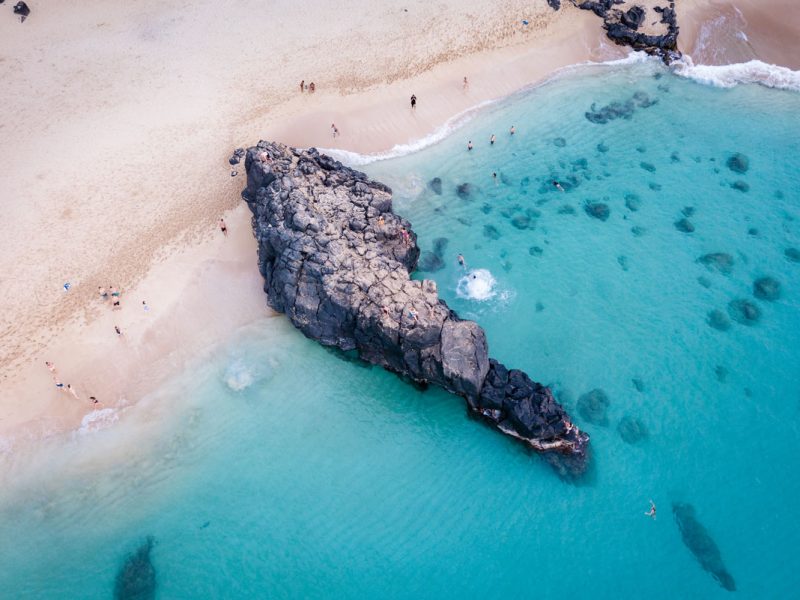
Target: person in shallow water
(461, 260)
(652, 511)
(491, 140)
(512, 131)
(469, 145)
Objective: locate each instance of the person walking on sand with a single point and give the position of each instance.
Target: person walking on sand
(512, 131)
(302, 86)
(145, 307)
(652, 511)
(413, 101)
(222, 227)
(334, 130)
(466, 83)
(469, 145)
(311, 87)
(118, 330)
(492, 140)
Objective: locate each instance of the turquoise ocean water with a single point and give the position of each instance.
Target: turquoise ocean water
(275, 469)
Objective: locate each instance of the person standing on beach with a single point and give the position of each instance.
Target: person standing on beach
(222, 227)
(302, 86)
(413, 101)
(466, 83)
(114, 297)
(311, 87)
(334, 130)
(118, 330)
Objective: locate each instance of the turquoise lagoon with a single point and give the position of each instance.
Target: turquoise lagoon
(272, 468)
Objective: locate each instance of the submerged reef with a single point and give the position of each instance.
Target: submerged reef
(702, 545)
(136, 579)
(337, 261)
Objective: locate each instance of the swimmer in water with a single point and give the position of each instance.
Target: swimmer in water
(652, 511)
(461, 260)
(469, 145)
(491, 140)
(558, 186)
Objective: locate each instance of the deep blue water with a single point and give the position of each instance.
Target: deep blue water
(275, 469)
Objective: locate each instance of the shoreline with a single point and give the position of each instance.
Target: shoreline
(174, 253)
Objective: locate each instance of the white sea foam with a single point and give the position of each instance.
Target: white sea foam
(478, 284)
(238, 376)
(754, 71)
(97, 420)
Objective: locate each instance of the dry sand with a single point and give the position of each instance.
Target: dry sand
(117, 121)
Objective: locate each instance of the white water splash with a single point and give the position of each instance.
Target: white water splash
(478, 285)
(726, 76)
(97, 420)
(238, 376)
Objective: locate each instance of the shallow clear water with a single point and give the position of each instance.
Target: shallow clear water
(276, 469)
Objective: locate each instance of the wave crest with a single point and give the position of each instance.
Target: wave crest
(727, 76)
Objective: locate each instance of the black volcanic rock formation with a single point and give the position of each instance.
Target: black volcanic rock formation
(622, 27)
(337, 261)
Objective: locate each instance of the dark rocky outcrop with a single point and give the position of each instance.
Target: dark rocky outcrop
(436, 185)
(337, 261)
(22, 9)
(700, 543)
(622, 27)
(792, 255)
(136, 579)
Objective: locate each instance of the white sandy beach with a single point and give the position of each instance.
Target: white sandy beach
(117, 122)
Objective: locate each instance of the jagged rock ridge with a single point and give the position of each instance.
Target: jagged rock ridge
(337, 260)
(622, 26)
